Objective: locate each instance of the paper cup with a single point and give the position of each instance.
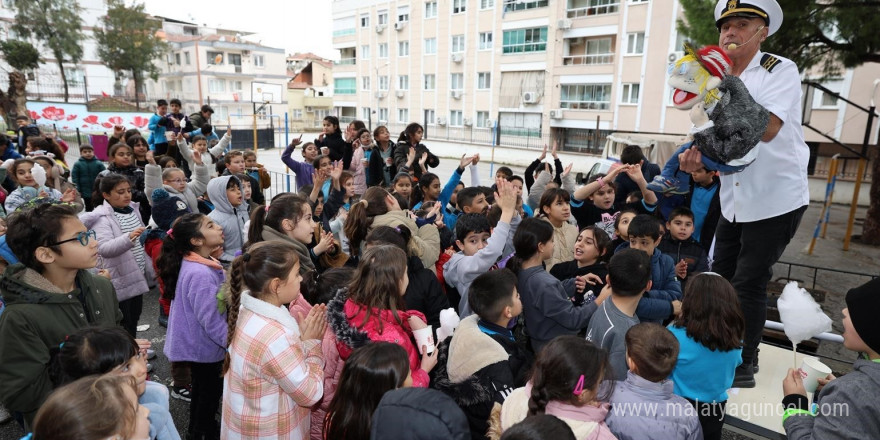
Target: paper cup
(811, 371)
(325, 151)
(424, 337)
(389, 161)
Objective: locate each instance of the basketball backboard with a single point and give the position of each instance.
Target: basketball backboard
(266, 93)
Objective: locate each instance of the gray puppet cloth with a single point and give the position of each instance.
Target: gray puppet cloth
(737, 123)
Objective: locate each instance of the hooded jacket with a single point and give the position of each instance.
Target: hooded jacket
(37, 318)
(425, 242)
(423, 414)
(231, 218)
(478, 369)
(853, 396)
(84, 173)
(631, 419)
(351, 331)
(190, 194)
(115, 247)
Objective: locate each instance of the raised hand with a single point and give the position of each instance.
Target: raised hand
(410, 156)
(423, 159)
(319, 177)
(151, 158)
(476, 159)
(69, 196)
(325, 244)
(505, 195)
(336, 170)
(555, 148)
(197, 157)
(567, 170)
(634, 172)
(180, 136)
(118, 131)
(543, 153)
(465, 160)
(228, 131)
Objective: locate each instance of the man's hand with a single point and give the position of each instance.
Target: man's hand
(691, 160)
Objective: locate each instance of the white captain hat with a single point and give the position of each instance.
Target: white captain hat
(768, 10)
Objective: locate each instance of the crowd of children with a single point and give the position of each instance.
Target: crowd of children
(318, 314)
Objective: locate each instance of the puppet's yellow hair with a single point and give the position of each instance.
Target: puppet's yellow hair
(701, 77)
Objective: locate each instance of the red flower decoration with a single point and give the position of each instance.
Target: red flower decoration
(71, 117)
(140, 121)
(91, 119)
(85, 126)
(34, 115)
(106, 125)
(115, 120)
(53, 113)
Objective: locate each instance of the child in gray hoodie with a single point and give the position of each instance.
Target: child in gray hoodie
(230, 212)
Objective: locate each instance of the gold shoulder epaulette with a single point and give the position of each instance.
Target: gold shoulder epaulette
(769, 62)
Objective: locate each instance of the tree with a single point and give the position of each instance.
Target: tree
(128, 42)
(57, 25)
(823, 34)
(20, 55)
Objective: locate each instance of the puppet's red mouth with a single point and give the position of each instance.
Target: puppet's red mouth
(680, 96)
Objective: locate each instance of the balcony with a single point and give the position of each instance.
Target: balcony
(592, 59)
(346, 62)
(595, 7)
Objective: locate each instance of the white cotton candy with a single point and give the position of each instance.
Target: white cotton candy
(801, 317)
(39, 174)
(448, 322)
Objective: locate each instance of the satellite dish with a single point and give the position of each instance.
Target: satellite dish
(218, 59)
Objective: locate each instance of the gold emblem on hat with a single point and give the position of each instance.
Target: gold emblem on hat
(731, 4)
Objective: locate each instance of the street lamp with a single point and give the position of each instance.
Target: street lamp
(378, 91)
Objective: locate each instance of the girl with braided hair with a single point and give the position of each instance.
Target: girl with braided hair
(565, 383)
(274, 365)
(196, 328)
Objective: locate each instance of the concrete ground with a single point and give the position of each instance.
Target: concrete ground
(828, 253)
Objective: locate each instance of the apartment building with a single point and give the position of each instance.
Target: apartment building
(220, 67)
(573, 70)
(309, 91)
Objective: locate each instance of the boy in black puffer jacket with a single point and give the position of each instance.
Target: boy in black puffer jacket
(689, 256)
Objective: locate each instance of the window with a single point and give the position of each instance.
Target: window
(487, 4)
(383, 50)
(177, 58)
(216, 85)
(365, 83)
(403, 115)
(383, 114)
(430, 82)
(430, 9)
(584, 8)
(365, 52)
(638, 1)
(322, 113)
(403, 48)
(383, 82)
(430, 46)
(297, 113)
(586, 96)
(635, 43)
(457, 43)
(344, 86)
(827, 100)
(365, 20)
(429, 117)
(365, 113)
(482, 117)
(215, 57)
(525, 40)
(484, 80)
(75, 76)
(456, 81)
(455, 118)
(485, 40)
(590, 51)
(459, 6)
(630, 94)
(259, 61)
(382, 17)
(403, 82)
(520, 5)
(402, 13)
(235, 86)
(345, 26)
(186, 58)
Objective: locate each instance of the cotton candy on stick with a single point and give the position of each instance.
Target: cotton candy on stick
(801, 317)
(39, 174)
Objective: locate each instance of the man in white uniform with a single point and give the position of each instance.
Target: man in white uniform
(762, 205)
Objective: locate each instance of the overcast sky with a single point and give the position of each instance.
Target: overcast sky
(295, 25)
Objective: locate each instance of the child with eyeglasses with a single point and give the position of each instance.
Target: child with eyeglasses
(117, 222)
(49, 294)
(174, 181)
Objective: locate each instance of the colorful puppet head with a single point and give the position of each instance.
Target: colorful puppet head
(695, 76)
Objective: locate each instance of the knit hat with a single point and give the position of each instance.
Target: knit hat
(714, 60)
(167, 208)
(863, 303)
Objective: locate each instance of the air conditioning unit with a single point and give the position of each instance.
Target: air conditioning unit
(441, 121)
(490, 123)
(467, 122)
(380, 28)
(456, 94)
(529, 97)
(457, 58)
(381, 95)
(381, 122)
(400, 94)
(565, 23)
(245, 53)
(674, 56)
(309, 109)
(399, 25)
(556, 114)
